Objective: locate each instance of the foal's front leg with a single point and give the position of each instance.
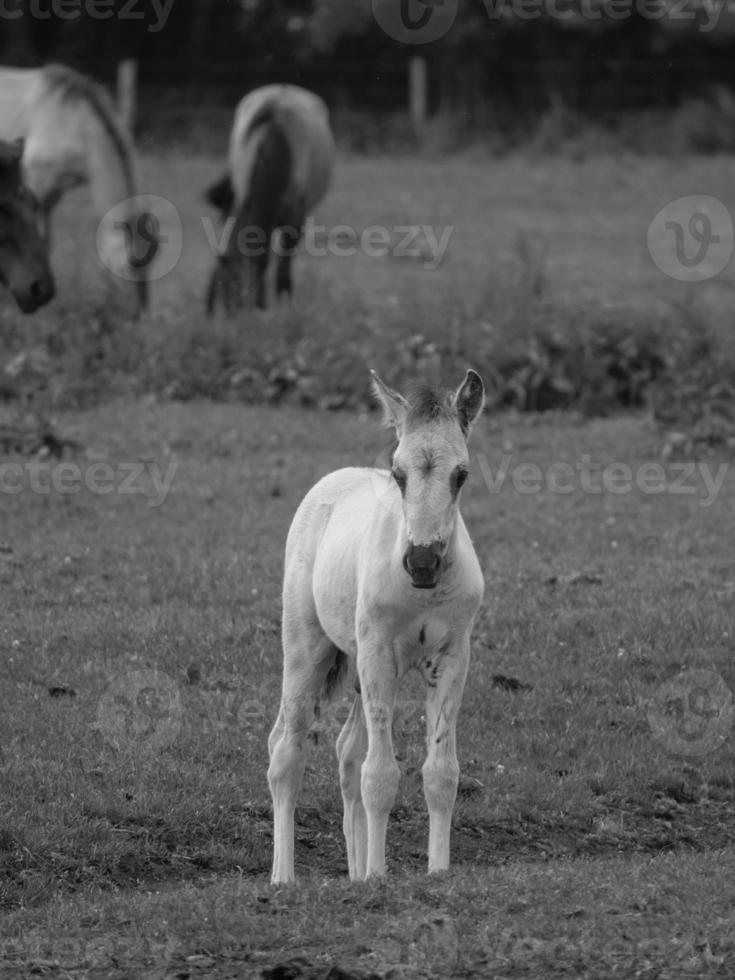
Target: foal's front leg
(441, 769)
(380, 772)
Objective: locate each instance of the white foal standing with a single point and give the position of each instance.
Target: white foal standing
(380, 567)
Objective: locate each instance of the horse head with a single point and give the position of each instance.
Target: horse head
(429, 466)
(24, 266)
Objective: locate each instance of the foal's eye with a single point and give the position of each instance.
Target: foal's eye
(400, 477)
(458, 478)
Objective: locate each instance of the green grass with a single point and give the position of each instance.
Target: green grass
(649, 917)
(547, 284)
(119, 853)
(139, 642)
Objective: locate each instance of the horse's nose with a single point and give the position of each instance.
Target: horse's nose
(42, 290)
(422, 562)
(34, 294)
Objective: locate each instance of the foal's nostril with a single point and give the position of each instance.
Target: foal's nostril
(41, 289)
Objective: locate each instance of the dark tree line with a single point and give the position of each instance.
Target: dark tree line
(496, 61)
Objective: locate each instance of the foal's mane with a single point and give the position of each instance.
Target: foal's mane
(427, 404)
(70, 86)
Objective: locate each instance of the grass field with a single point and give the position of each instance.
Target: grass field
(139, 642)
(546, 279)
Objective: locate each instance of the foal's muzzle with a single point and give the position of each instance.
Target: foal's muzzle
(423, 564)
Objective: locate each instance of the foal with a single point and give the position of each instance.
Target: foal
(380, 568)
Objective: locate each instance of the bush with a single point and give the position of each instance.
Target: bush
(536, 355)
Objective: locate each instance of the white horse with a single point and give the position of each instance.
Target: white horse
(73, 137)
(280, 164)
(380, 569)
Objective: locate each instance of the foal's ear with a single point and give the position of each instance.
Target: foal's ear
(394, 405)
(469, 400)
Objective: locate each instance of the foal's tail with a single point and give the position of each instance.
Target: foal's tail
(336, 674)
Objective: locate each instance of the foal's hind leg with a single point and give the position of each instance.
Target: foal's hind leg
(351, 750)
(308, 658)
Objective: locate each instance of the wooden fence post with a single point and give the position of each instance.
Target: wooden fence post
(127, 93)
(417, 99)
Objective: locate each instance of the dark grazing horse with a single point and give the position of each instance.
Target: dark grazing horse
(24, 267)
(280, 164)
